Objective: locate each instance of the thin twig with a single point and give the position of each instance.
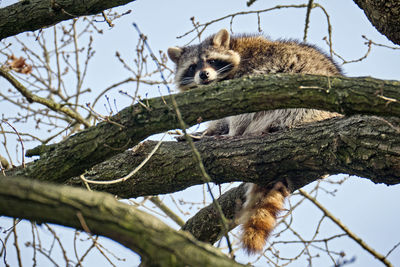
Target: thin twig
(77, 65)
(328, 21)
(109, 22)
(390, 251)
(369, 41)
(203, 26)
(126, 177)
(156, 201)
(33, 244)
(16, 243)
(83, 222)
(87, 230)
(353, 236)
(86, 252)
(44, 101)
(40, 250)
(309, 7)
(344, 61)
(5, 253)
(64, 252)
(20, 140)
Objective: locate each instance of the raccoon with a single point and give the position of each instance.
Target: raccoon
(221, 57)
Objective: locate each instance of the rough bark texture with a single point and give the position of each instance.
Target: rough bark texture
(206, 224)
(31, 15)
(365, 146)
(384, 15)
(360, 145)
(96, 144)
(102, 214)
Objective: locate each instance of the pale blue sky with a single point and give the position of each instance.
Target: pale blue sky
(367, 209)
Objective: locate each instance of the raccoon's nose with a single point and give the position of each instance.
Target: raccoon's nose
(204, 75)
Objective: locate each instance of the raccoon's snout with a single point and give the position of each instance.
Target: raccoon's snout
(204, 75)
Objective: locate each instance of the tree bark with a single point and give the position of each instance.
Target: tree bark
(31, 15)
(100, 213)
(205, 225)
(365, 146)
(384, 15)
(96, 144)
(350, 145)
(360, 145)
(355, 145)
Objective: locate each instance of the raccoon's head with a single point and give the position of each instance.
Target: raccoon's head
(211, 60)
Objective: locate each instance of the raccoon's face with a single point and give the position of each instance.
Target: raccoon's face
(210, 61)
(204, 69)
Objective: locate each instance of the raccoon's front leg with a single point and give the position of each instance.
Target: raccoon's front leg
(215, 128)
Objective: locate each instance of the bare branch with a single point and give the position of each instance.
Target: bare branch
(44, 101)
(352, 235)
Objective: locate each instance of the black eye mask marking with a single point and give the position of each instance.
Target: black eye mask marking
(188, 75)
(220, 65)
(190, 71)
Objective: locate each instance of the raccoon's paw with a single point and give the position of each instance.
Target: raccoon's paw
(195, 137)
(272, 129)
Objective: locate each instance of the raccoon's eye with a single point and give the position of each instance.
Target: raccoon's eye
(220, 64)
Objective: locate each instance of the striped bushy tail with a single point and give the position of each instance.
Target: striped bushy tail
(259, 214)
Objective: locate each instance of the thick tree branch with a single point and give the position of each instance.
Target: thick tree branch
(205, 224)
(158, 244)
(31, 15)
(384, 15)
(360, 145)
(87, 148)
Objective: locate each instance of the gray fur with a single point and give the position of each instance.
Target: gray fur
(254, 54)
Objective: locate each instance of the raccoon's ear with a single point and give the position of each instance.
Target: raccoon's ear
(222, 38)
(174, 53)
